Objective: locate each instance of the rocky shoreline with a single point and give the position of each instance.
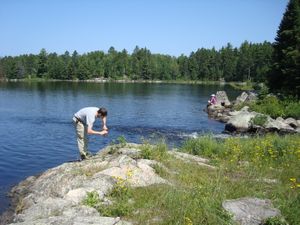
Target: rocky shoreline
(56, 196)
(243, 121)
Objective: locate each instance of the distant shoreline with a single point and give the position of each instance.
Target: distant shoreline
(101, 80)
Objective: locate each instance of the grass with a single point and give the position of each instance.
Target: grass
(197, 193)
(242, 86)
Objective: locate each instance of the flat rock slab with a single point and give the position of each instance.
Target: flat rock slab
(191, 158)
(250, 211)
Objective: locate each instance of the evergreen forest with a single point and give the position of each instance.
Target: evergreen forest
(276, 64)
(248, 62)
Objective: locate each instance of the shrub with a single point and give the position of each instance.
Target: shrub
(156, 152)
(259, 120)
(292, 109)
(270, 105)
(92, 199)
(263, 92)
(122, 140)
(206, 146)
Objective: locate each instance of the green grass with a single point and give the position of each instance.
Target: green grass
(197, 193)
(242, 86)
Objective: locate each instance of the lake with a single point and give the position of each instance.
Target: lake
(37, 132)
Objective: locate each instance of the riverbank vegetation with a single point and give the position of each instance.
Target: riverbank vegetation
(274, 107)
(262, 167)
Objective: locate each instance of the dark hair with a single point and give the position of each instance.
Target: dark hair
(102, 112)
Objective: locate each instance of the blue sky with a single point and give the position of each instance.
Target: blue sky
(163, 26)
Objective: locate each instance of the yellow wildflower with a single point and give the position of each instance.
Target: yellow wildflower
(188, 221)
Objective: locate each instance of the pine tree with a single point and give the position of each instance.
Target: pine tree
(285, 75)
(42, 64)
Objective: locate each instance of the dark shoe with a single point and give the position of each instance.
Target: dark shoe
(87, 155)
(83, 157)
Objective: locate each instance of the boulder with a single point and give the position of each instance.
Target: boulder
(292, 122)
(241, 98)
(246, 98)
(278, 125)
(250, 211)
(222, 98)
(241, 121)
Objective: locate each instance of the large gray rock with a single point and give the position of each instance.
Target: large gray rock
(246, 98)
(279, 125)
(222, 97)
(250, 211)
(292, 122)
(240, 121)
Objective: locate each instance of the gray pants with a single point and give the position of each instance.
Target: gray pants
(82, 141)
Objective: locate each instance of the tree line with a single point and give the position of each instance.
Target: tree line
(277, 64)
(248, 62)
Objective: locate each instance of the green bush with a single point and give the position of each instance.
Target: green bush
(274, 107)
(292, 109)
(259, 120)
(270, 105)
(206, 146)
(92, 199)
(156, 152)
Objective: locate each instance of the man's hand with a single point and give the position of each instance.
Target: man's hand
(103, 132)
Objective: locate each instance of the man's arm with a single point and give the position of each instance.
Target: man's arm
(104, 123)
(91, 131)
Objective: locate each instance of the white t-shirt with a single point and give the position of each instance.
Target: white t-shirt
(87, 115)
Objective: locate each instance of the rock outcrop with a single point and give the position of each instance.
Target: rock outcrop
(243, 121)
(222, 99)
(240, 121)
(246, 97)
(55, 197)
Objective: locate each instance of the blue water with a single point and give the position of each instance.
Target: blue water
(37, 131)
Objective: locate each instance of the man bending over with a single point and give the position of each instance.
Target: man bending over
(84, 120)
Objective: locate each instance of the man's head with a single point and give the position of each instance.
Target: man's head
(102, 112)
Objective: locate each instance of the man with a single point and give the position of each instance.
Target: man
(84, 120)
